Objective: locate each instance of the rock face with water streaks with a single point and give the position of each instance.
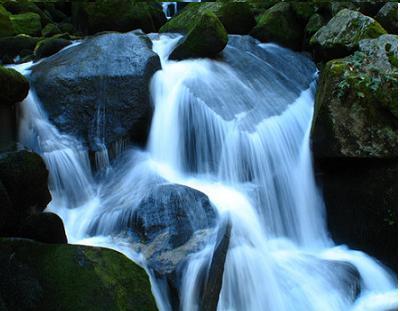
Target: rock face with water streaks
(36, 276)
(97, 91)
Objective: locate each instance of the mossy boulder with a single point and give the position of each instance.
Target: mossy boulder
(340, 37)
(27, 6)
(50, 46)
(6, 27)
(315, 23)
(279, 25)
(120, 15)
(50, 30)
(236, 17)
(13, 86)
(387, 17)
(304, 10)
(43, 227)
(38, 276)
(11, 47)
(356, 104)
(27, 23)
(206, 38)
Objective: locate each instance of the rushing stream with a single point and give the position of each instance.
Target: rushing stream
(236, 129)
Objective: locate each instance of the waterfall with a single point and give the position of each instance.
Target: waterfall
(236, 129)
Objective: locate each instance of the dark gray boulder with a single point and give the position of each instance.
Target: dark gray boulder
(98, 90)
(43, 227)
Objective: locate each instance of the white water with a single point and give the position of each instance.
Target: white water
(252, 160)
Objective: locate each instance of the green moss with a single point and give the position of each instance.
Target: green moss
(50, 30)
(10, 47)
(206, 38)
(13, 86)
(79, 277)
(6, 27)
(279, 24)
(27, 23)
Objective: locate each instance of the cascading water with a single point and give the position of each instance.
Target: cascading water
(236, 129)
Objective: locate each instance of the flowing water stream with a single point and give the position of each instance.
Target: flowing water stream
(236, 129)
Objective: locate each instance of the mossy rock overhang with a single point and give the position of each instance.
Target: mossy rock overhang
(70, 277)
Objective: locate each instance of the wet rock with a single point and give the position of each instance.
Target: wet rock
(36, 276)
(279, 25)
(50, 30)
(13, 86)
(98, 90)
(213, 280)
(387, 17)
(176, 210)
(356, 105)
(205, 38)
(50, 46)
(341, 36)
(43, 227)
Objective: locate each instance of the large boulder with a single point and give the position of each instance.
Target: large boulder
(279, 25)
(120, 15)
(356, 105)
(98, 90)
(26, 6)
(387, 17)
(355, 147)
(206, 38)
(43, 227)
(24, 177)
(37, 276)
(16, 47)
(341, 36)
(13, 86)
(27, 23)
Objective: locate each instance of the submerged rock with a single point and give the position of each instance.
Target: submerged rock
(356, 104)
(98, 90)
(43, 227)
(38, 276)
(342, 34)
(13, 86)
(279, 25)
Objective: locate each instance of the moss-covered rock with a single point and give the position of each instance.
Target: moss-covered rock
(120, 15)
(304, 10)
(13, 86)
(27, 6)
(43, 227)
(6, 27)
(387, 17)
(67, 28)
(356, 105)
(50, 46)
(50, 30)
(236, 17)
(314, 24)
(340, 37)
(26, 23)
(206, 38)
(279, 24)
(39, 276)
(11, 47)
